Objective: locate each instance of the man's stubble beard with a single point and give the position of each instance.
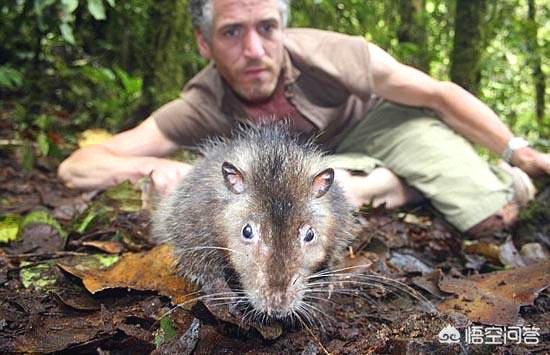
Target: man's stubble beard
(260, 90)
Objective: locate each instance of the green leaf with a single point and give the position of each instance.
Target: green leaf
(132, 86)
(9, 227)
(39, 6)
(10, 78)
(106, 260)
(125, 196)
(67, 33)
(111, 3)
(42, 217)
(69, 5)
(97, 9)
(43, 144)
(27, 156)
(98, 75)
(42, 276)
(165, 332)
(90, 216)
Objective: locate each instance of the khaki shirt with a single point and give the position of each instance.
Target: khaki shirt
(326, 77)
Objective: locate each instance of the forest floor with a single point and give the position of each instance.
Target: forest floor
(82, 276)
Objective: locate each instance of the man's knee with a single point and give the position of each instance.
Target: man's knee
(503, 219)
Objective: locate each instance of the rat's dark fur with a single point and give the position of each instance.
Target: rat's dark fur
(263, 207)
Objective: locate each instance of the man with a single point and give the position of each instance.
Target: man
(375, 114)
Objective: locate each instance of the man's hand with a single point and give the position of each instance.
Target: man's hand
(166, 175)
(531, 161)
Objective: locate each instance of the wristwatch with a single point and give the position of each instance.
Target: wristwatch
(513, 145)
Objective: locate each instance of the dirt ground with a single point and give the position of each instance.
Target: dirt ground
(48, 272)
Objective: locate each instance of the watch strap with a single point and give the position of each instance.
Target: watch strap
(513, 145)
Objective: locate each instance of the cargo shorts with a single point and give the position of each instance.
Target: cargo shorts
(429, 156)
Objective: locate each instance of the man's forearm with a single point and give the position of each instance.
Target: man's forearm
(471, 118)
(95, 167)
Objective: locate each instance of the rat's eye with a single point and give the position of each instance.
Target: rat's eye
(247, 232)
(310, 234)
(307, 234)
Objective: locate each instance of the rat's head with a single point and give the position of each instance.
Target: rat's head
(283, 221)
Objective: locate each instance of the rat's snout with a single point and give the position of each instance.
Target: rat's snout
(277, 305)
(281, 297)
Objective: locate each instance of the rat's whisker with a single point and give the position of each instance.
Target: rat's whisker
(335, 280)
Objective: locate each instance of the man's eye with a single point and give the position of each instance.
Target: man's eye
(231, 32)
(267, 28)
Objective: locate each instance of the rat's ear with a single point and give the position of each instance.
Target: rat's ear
(233, 178)
(322, 182)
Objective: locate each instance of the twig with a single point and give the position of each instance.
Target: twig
(54, 255)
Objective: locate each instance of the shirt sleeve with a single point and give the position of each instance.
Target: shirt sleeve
(342, 58)
(185, 123)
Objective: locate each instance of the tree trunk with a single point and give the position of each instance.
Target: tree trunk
(411, 34)
(468, 44)
(164, 56)
(534, 60)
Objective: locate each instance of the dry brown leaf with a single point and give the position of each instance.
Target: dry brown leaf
(106, 246)
(490, 251)
(152, 270)
(495, 298)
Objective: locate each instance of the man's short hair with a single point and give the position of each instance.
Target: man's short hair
(202, 14)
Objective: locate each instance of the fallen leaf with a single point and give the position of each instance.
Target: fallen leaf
(93, 136)
(533, 253)
(165, 333)
(489, 250)
(152, 270)
(72, 295)
(37, 238)
(41, 276)
(406, 263)
(9, 227)
(429, 283)
(185, 344)
(509, 256)
(495, 298)
(126, 196)
(410, 218)
(110, 247)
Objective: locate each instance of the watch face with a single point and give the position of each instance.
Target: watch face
(517, 143)
(513, 145)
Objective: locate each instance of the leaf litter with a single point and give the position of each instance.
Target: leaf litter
(84, 277)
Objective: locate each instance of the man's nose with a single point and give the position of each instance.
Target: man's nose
(253, 45)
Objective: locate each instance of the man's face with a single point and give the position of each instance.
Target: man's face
(246, 45)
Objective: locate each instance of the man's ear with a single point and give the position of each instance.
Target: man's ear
(204, 47)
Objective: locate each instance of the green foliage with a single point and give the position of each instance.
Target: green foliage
(165, 333)
(40, 276)
(507, 82)
(9, 227)
(82, 63)
(10, 78)
(42, 217)
(111, 94)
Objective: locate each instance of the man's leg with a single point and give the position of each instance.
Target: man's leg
(439, 163)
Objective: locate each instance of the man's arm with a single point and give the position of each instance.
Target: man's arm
(457, 107)
(129, 155)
